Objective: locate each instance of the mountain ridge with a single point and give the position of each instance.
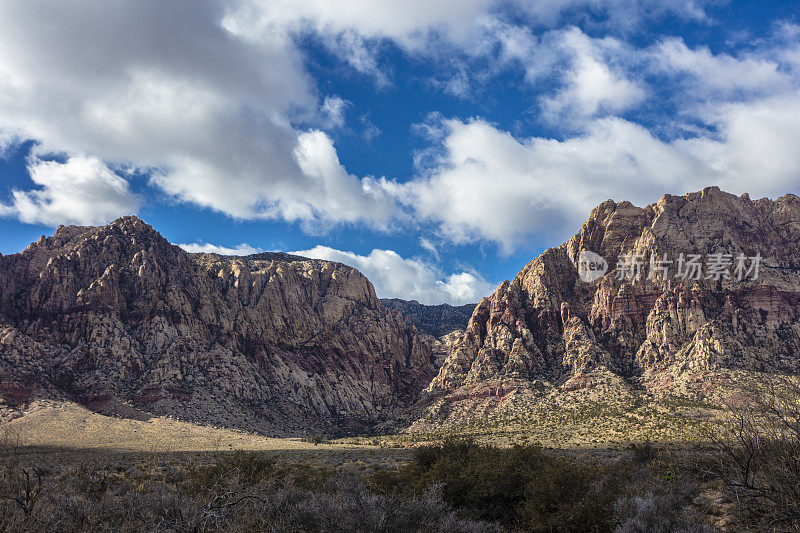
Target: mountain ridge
(435, 320)
(546, 324)
(120, 320)
(116, 317)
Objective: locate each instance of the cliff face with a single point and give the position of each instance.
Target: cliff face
(118, 318)
(435, 320)
(550, 326)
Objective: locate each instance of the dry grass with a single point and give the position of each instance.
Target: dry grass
(67, 425)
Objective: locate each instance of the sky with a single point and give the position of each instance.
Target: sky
(435, 146)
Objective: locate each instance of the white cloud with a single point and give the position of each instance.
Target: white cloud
(336, 191)
(207, 248)
(408, 22)
(591, 74)
(171, 87)
(405, 22)
(721, 75)
(409, 279)
(487, 184)
(333, 108)
(355, 30)
(207, 94)
(591, 86)
(755, 150)
(81, 190)
(478, 182)
(428, 245)
(7, 142)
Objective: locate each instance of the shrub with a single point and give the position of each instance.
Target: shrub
(521, 487)
(644, 452)
(757, 455)
(654, 513)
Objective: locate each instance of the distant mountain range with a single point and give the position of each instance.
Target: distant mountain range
(435, 320)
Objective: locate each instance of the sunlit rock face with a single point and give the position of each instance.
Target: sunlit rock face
(119, 319)
(548, 325)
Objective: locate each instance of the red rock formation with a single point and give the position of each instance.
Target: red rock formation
(548, 324)
(116, 315)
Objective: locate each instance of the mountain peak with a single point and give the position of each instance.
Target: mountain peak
(640, 328)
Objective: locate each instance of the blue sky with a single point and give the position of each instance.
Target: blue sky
(436, 146)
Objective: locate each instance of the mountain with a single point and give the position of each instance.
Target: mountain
(548, 329)
(122, 321)
(434, 320)
(125, 323)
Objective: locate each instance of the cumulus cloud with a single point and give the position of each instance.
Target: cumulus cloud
(81, 190)
(755, 147)
(487, 184)
(722, 75)
(591, 85)
(207, 248)
(591, 74)
(484, 183)
(206, 94)
(174, 89)
(336, 191)
(479, 182)
(409, 23)
(396, 277)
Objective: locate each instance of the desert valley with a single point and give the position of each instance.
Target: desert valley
(116, 340)
(365, 266)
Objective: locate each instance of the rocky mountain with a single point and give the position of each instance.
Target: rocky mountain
(685, 327)
(434, 320)
(122, 321)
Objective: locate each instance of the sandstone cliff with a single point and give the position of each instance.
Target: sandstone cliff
(547, 326)
(117, 318)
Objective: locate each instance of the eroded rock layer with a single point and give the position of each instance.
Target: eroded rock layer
(121, 320)
(549, 326)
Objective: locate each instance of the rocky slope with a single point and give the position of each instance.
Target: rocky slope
(117, 318)
(434, 320)
(439, 326)
(547, 328)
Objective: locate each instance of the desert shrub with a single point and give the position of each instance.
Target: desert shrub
(455, 486)
(315, 440)
(756, 452)
(520, 487)
(234, 492)
(655, 513)
(240, 467)
(22, 487)
(644, 452)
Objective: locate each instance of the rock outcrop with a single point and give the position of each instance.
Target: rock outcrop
(116, 317)
(549, 326)
(435, 320)
(439, 325)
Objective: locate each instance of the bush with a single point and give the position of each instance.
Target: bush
(757, 455)
(455, 486)
(644, 452)
(236, 492)
(520, 487)
(654, 513)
